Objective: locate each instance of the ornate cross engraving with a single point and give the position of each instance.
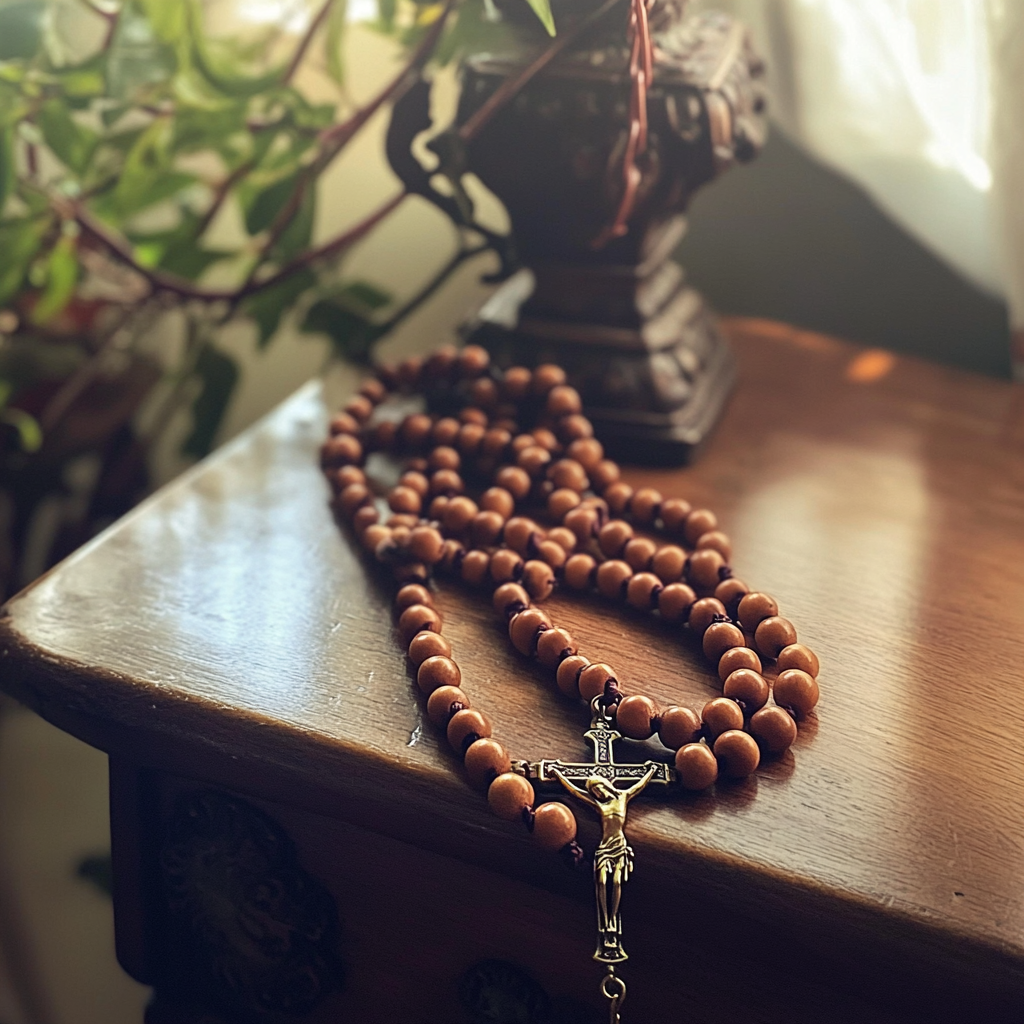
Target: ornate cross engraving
(597, 783)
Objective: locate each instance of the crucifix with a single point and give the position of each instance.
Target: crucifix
(599, 783)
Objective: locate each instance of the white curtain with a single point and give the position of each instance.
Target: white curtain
(922, 103)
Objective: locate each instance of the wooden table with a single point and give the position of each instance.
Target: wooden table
(292, 841)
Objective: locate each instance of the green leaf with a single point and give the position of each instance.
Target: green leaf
(147, 177)
(19, 243)
(219, 375)
(542, 8)
(169, 19)
(30, 434)
(7, 171)
(197, 128)
(84, 81)
(297, 235)
(345, 317)
(21, 29)
(72, 144)
(61, 279)
(268, 203)
(334, 40)
(267, 307)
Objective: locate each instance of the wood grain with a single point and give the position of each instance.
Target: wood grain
(228, 626)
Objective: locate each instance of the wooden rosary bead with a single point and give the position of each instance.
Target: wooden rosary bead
(509, 795)
(440, 364)
(773, 634)
(459, 513)
(575, 428)
(341, 450)
(567, 676)
(516, 382)
(444, 457)
(483, 392)
(441, 702)
(342, 423)
(413, 594)
(402, 519)
(546, 377)
(365, 515)
(703, 613)
(676, 601)
(415, 619)
(715, 540)
(730, 592)
(359, 408)
(755, 607)
(583, 522)
(410, 572)
(470, 437)
(374, 390)
(506, 566)
(451, 556)
(446, 482)
(554, 825)
(699, 522)
(519, 532)
(568, 473)
(796, 690)
(719, 637)
(472, 361)
(485, 760)
(635, 717)
(563, 537)
(408, 372)
(563, 400)
(773, 728)
(346, 475)
(534, 460)
(643, 590)
(464, 724)
(426, 544)
(554, 645)
(561, 502)
(618, 495)
(579, 571)
(702, 569)
(515, 480)
(475, 567)
(639, 553)
(510, 599)
(668, 563)
(494, 443)
(587, 451)
(375, 535)
(435, 512)
(428, 645)
(748, 688)
(646, 505)
(552, 553)
(497, 499)
(796, 656)
(678, 726)
(405, 500)
(415, 431)
(737, 754)
(736, 658)
(525, 628)
(417, 481)
(384, 436)
(696, 766)
(673, 514)
(438, 671)
(538, 579)
(353, 497)
(613, 537)
(593, 680)
(720, 715)
(613, 578)
(604, 474)
(485, 529)
(446, 431)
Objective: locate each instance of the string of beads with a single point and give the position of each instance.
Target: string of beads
(590, 545)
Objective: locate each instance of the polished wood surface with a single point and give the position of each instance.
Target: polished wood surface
(227, 629)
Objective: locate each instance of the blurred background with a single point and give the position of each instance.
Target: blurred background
(882, 210)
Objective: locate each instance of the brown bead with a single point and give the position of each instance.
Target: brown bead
(748, 688)
(618, 496)
(446, 482)
(416, 618)
(715, 540)
(730, 592)
(346, 475)
(436, 509)
(409, 371)
(413, 594)
(702, 569)
(643, 590)
(719, 637)
(518, 533)
(579, 571)
(343, 423)
(699, 522)
(439, 365)
(696, 766)
(568, 675)
(796, 690)
(475, 568)
(410, 572)
(515, 384)
(353, 497)
(583, 522)
(451, 556)
(668, 563)
(546, 377)
(773, 728)
(561, 502)
(612, 579)
(374, 390)
(552, 553)
(737, 754)
(563, 401)
(439, 704)
(538, 579)
(405, 500)
(470, 437)
(484, 393)
(568, 473)
(675, 602)
(525, 628)
(417, 481)
(459, 513)
(534, 460)
(635, 717)
(755, 607)
(773, 634)
(509, 599)
(646, 505)
(375, 535)
(485, 761)
(384, 436)
(428, 645)
(574, 428)
(797, 656)
(445, 431)
(403, 520)
(365, 515)
(553, 826)
(438, 671)
(509, 795)
(563, 537)
(545, 439)
(678, 726)
(494, 442)
(473, 360)
(485, 529)
(426, 544)
(497, 499)
(737, 657)
(341, 450)
(673, 514)
(593, 680)
(506, 566)
(613, 537)
(554, 645)
(703, 613)
(444, 457)
(464, 724)
(515, 480)
(359, 408)
(415, 431)
(587, 451)
(639, 553)
(721, 714)
(604, 474)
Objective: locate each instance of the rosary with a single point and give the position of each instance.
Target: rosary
(521, 435)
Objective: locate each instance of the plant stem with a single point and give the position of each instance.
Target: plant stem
(307, 39)
(221, 194)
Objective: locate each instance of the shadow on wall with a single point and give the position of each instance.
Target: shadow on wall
(789, 239)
